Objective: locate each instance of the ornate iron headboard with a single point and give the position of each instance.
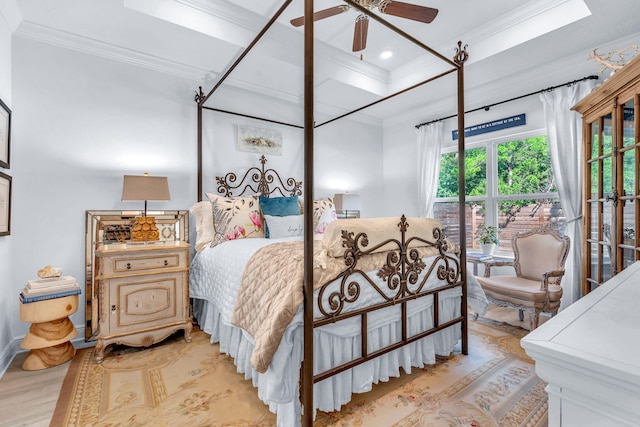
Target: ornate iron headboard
(263, 181)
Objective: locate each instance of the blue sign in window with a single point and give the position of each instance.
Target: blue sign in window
(494, 125)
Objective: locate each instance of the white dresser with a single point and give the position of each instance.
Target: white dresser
(590, 356)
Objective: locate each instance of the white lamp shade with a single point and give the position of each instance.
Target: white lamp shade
(145, 188)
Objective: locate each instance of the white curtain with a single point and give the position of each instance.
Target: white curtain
(564, 131)
(430, 139)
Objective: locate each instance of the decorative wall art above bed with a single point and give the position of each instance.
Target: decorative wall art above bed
(258, 140)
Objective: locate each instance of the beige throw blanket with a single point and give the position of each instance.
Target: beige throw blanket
(271, 292)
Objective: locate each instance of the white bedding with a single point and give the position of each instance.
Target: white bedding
(215, 276)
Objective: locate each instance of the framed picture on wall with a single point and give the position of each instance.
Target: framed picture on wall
(5, 204)
(5, 135)
(257, 140)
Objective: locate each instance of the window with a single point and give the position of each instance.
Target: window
(509, 184)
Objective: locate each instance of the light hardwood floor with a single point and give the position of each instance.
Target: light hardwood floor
(28, 398)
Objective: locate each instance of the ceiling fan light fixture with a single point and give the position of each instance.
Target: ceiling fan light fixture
(389, 7)
(386, 54)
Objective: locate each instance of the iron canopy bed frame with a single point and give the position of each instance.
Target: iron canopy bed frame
(308, 379)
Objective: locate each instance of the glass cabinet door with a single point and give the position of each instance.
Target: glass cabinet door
(627, 183)
(599, 215)
(613, 196)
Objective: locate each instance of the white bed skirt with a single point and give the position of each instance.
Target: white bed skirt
(278, 387)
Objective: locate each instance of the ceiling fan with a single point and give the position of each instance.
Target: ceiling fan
(389, 7)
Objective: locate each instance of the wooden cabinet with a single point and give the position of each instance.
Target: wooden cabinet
(143, 294)
(611, 196)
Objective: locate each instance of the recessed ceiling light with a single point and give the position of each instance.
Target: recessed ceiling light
(386, 54)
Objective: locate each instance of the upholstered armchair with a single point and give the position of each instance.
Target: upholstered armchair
(539, 261)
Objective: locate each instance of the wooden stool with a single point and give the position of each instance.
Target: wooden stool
(51, 331)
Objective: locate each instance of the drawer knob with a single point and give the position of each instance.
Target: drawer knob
(128, 266)
(166, 262)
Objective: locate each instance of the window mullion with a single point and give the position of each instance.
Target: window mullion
(491, 205)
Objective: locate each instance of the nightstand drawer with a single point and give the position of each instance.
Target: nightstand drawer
(145, 302)
(126, 264)
(129, 264)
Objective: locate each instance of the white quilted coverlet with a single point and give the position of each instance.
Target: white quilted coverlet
(216, 272)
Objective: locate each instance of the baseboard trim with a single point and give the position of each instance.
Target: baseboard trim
(13, 348)
(7, 355)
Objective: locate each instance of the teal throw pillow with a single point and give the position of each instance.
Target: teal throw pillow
(278, 206)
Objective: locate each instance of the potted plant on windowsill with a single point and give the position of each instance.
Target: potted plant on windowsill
(488, 237)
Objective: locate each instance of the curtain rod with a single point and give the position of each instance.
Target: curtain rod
(486, 107)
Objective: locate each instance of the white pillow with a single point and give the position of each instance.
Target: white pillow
(202, 211)
(285, 226)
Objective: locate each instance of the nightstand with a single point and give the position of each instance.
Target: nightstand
(143, 293)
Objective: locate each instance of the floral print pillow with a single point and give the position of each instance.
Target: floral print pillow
(324, 212)
(235, 218)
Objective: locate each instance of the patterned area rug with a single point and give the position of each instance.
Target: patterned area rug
(174, 383)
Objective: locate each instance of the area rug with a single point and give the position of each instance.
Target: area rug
(178, 384)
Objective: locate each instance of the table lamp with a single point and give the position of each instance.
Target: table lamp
(347, 202)
(145, 188)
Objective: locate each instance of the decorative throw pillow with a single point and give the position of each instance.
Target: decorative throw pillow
(324, 212)
(203, 214)
(279, 206)
(285, 226)
(235, 218)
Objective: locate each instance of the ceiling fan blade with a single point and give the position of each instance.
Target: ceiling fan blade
(408, 10)
(321, 14)
(360, 33)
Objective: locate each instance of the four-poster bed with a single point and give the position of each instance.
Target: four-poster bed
(416, 274)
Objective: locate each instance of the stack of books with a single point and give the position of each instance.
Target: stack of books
(478, 256)
(44, 289)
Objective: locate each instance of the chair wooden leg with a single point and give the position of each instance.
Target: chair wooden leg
(534, 317)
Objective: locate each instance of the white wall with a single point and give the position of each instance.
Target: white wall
(6, 242)
(81, 122)
(347, 153)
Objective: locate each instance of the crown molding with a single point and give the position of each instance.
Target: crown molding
(112, 52)
(85, 45)
(89, 46)
(494, 33)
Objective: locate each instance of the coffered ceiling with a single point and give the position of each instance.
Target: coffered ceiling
(514, 46)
